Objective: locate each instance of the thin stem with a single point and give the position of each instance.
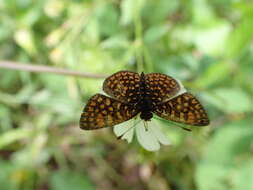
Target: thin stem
(138, 38)
(46, 69)
(147, 59)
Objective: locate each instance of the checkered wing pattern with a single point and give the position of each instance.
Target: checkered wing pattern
(123, 86)
(184, 108)
(102, 111)
(160, 87)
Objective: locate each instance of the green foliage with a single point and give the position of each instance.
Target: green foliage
(227, 163)
(205, 44)
(64, 180)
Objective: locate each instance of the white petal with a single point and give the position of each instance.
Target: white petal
(125, 130)
(146, 138)
(157, 131)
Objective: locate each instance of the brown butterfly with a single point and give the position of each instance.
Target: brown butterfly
(131, 94)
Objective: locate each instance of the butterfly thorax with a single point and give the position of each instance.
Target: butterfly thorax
(144, 104)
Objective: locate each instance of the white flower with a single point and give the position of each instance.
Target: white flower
(148, 134)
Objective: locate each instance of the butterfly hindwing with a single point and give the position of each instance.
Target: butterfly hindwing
(184, 108)
(123, 86)
(102, 111)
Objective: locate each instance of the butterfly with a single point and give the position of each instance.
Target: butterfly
(131, 94)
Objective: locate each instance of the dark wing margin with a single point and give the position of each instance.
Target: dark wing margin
(123, 86)
(102, 111)
(184, 108)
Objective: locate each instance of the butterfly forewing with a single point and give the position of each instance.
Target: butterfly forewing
(161, 87)
(123, 86)
(102, 111)
(184, 108)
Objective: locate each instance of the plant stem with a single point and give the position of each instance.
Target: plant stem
(46, 69)
(138, 38)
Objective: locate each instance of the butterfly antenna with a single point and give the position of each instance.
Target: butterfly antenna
(181, 127)
(175, 125)
(186, 129)
(146, 126)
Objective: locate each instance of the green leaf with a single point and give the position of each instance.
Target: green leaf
(202, 13)
(6, 179)
(160, 9)
(244, 176)
(215, 73)
(210, 40)
(129, 9)
(66, 180)
(24, 37)
(5, 121)
(13, 135)
(155, 33)
(230, 100)
(226, 158)
(108, 19)
(34, 154)
(240, 38)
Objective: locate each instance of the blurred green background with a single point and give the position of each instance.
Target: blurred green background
(205, 44)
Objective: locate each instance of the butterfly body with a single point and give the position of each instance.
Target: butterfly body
(144, 104)
(145, 94)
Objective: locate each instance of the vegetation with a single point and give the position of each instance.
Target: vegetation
(205, 44)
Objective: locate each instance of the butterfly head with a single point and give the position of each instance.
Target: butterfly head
(142, 74)
(146, 115)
